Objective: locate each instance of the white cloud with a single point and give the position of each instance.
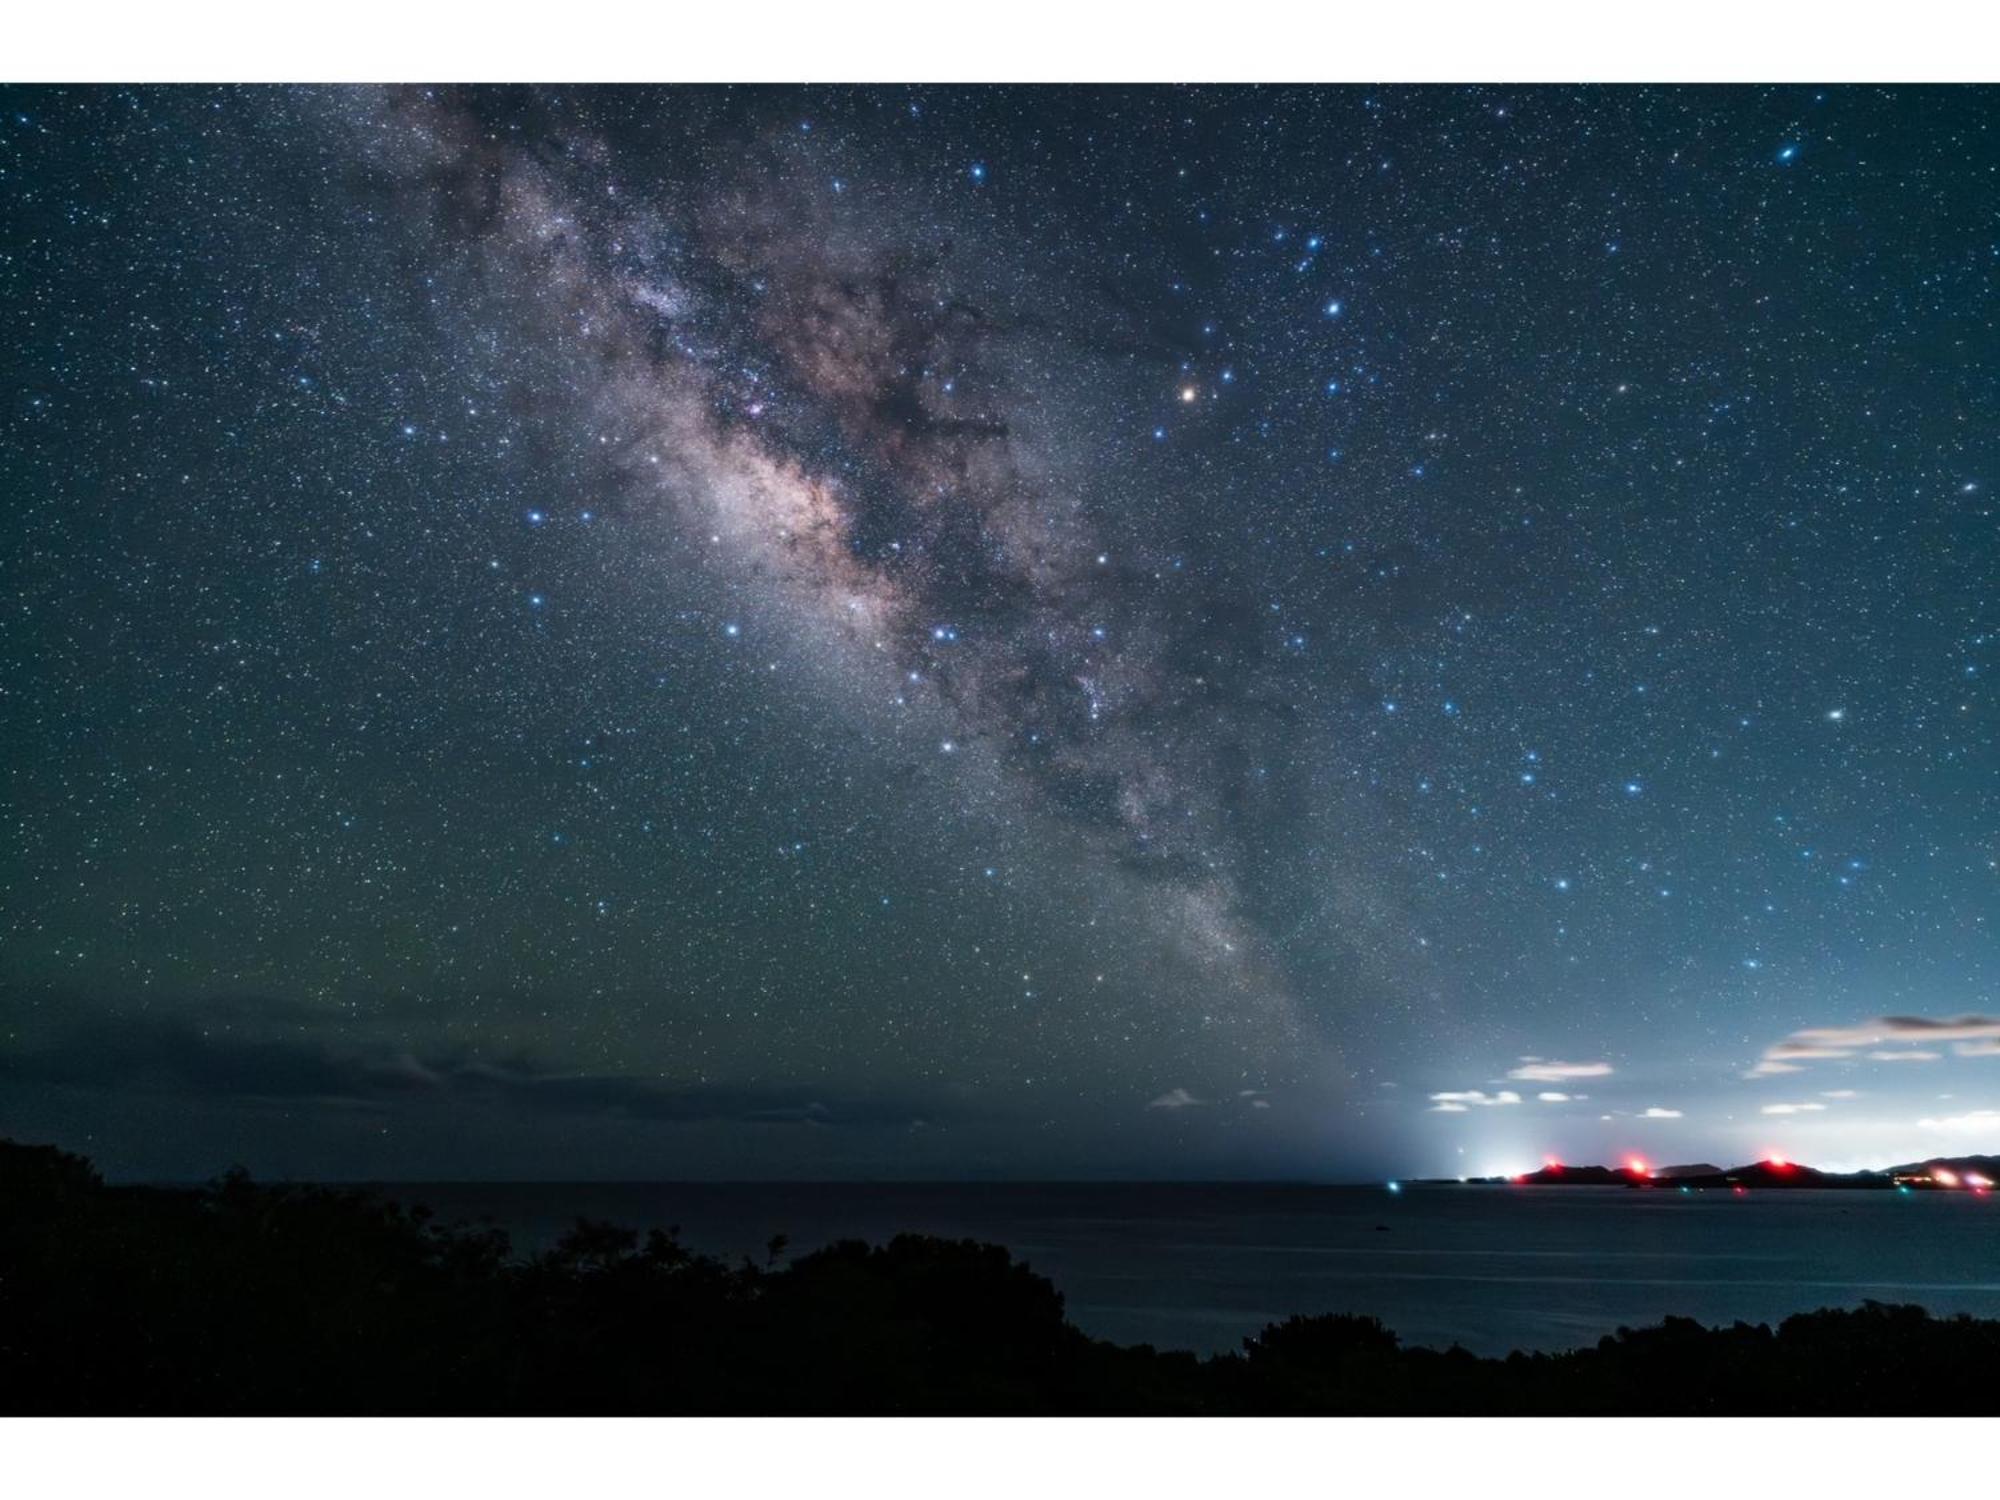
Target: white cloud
(1536, 1070)
(1174, 1099)
(1985, 1046)
(1840, 1093)
(1553, 1098)
(1770, 1069)
(1458, 1101)
(1656, 1113)
(1904, 1056)
(1792, 1109)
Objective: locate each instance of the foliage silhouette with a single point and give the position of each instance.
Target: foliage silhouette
(246, 1298)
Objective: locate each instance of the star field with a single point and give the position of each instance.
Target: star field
(691, 631)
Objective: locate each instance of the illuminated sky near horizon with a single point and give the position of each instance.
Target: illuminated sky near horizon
(931, 632)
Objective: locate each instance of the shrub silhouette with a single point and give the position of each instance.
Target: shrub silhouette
(246, 1298)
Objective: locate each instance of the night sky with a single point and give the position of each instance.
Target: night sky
(921, 632)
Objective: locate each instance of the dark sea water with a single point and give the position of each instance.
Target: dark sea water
(1198, 1266)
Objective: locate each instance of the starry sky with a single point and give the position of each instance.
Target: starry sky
(919, 632)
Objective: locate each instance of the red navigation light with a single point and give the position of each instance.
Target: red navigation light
(1740, 1190)
(1552, 1163)
(1778, 1162)
(1637, 1167)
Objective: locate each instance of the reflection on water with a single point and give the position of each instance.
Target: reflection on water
(1494, 1268)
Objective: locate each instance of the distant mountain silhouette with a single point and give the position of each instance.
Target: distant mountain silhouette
(1962, 1167)
(1977, 1173)
(1558, 1174)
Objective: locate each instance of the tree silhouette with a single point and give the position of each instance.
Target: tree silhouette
(241, 1297)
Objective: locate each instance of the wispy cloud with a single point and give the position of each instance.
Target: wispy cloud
(1886, 1038)
(1174, 1099)
(1902, 1029)
(174, 1058)
(1544, 1070)
(1809, 1107)
(1656, 1113)
(1457, 1102)
(1552, 1097)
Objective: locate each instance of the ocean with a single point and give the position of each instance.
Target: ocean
(1199, 1266)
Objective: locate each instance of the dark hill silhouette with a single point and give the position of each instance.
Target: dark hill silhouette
(1962, 1171)
(1558, 1174)
(1786, 1174)
(246, 1298)
(1964, 1167)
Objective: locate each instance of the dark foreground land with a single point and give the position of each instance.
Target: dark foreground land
(244, 1298)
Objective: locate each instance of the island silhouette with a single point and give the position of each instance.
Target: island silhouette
(1975, 1174)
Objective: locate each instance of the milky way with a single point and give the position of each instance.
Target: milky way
(853, 429)
(927, 631)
